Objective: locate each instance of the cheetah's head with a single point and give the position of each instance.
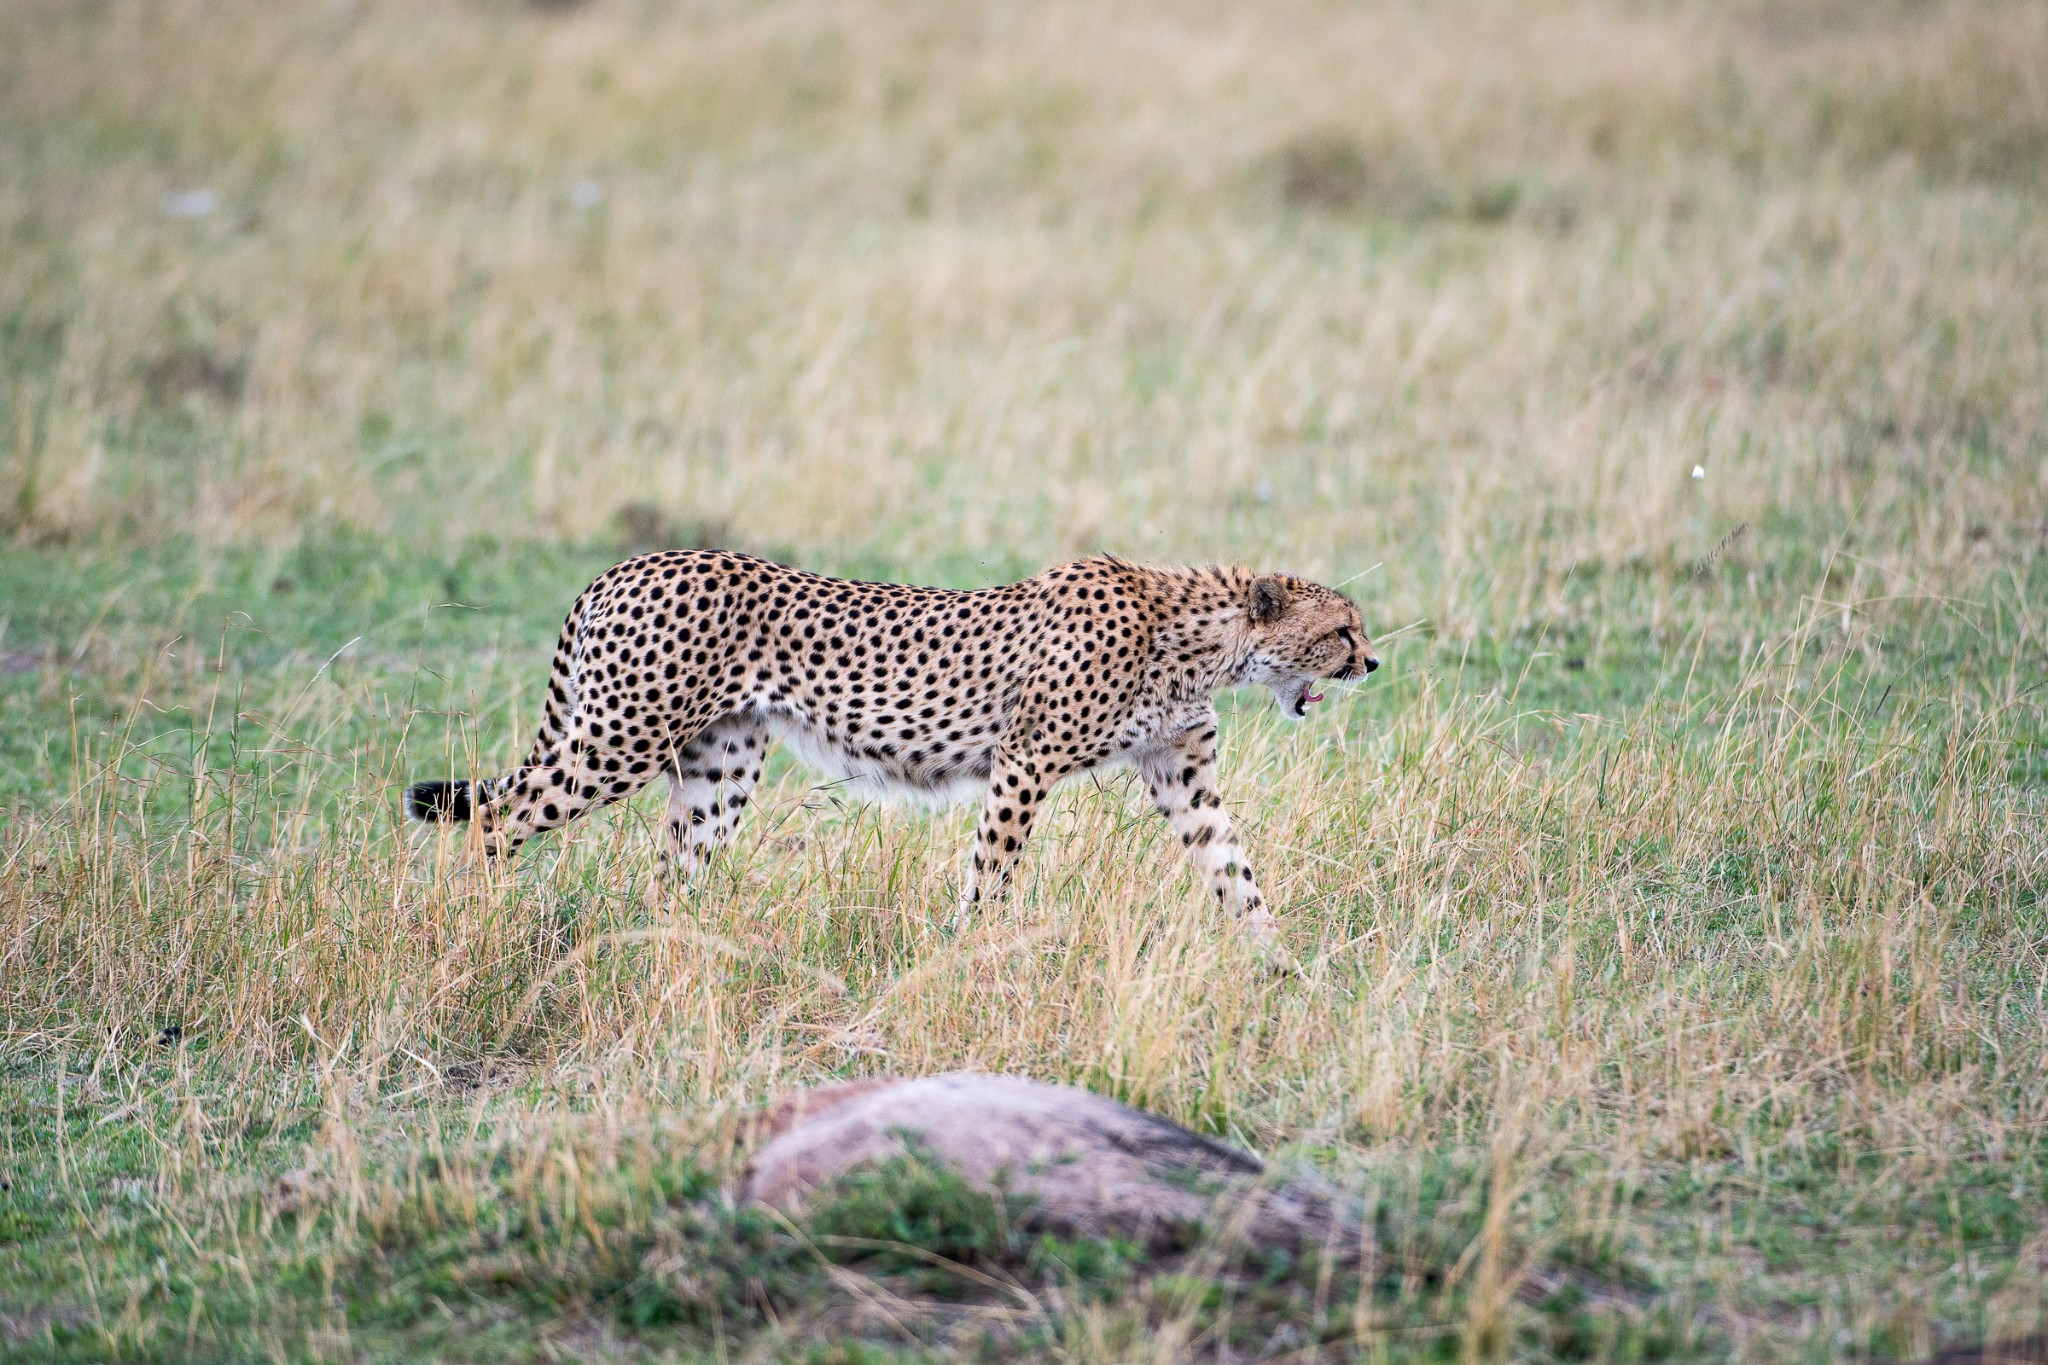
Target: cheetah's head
(1302, 632)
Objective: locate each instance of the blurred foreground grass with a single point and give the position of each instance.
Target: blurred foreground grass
(1668, 381)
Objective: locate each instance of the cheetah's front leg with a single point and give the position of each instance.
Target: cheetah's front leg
(1182, 778)
(1018, 786)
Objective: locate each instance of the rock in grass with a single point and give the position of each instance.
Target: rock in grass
(1084, 1166)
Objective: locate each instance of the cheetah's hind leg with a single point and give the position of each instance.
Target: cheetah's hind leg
(709, 784)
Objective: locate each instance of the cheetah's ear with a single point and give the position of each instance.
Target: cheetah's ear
(1269, 598)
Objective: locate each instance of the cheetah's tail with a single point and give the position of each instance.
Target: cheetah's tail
(453, 802)
(438, 802)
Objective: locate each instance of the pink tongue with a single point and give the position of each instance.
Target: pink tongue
(1311, 696)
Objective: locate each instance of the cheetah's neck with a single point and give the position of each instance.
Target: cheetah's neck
(1204, 640)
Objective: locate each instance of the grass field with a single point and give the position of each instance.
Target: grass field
(1669, 383)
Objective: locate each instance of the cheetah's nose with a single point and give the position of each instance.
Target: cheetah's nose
(1371, 663)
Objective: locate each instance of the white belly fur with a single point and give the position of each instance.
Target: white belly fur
(857, 775)
(854, 774)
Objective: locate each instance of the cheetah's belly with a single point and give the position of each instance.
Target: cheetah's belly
(950, 779)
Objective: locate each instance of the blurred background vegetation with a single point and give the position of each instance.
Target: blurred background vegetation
(452, 303)
(1666, 380)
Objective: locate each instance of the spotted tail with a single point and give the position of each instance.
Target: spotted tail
(455, 801)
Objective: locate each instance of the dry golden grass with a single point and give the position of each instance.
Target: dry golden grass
(935, 279)
(1682, 873)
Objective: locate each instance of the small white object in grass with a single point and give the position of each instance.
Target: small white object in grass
(1264, 491)
(586, 194)
(1699, 471)
(190, 203)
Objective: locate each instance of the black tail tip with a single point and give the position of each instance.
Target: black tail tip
(437, 802)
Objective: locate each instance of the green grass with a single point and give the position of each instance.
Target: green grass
(1671, 902)
(459, 1249)
(136, 1208)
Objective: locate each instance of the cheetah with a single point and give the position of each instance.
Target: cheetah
(686, 665)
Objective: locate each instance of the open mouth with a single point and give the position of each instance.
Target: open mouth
(1304, 697)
